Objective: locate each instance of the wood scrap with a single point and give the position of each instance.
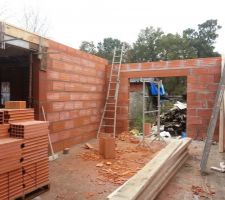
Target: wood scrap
(88, 146)
(100, 165)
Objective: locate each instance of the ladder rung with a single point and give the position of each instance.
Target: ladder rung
(116, 63)
(108, 118)
(111, 96)
(110, 103)
(113, 82)
(104, 133)
(114, 75)
(152, 111)
(109, 110)
(107, 125)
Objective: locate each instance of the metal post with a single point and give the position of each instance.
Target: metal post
(143, 109)
(30, 80)
(159, 108)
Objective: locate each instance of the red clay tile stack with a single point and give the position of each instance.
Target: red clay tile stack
(10, 168)
(1, 117)
(4, 128)
(34, 152)
(15, 115)
(15, 104)
(23, 154)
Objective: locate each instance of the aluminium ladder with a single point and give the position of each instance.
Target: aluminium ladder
(212, 122)
(108, 119)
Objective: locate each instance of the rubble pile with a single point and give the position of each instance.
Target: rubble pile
(174, 120)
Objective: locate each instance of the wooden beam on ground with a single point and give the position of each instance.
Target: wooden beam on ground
(151, 179)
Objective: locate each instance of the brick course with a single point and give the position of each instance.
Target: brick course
(76, 85)
(202, 74)
(75, 94)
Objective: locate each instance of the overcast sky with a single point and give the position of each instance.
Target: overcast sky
(72, 21)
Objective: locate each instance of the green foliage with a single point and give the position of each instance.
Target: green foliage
(137, 122)
(204, 38)
(147, 47)
(175, 47)
(175, 85)
(153, 44)
(106, 48)
(88, 47)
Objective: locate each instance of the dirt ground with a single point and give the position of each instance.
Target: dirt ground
(84, 174)
(76, 176)
(188, 184)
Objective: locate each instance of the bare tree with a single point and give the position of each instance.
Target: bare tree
(32, 20)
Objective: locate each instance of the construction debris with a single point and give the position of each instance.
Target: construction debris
(174, 120)
(66, 151)
(100, 165)
(151, 179)
(200, 192)
(128, 160)
(219, 169)
(88, 146)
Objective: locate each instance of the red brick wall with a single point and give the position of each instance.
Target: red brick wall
(75, 95)
(202, 80)
(135, 87)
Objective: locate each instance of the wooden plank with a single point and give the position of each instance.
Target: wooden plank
(222, 117)
(153, 172)
(25, 35)
(132, 188)
(157, 185)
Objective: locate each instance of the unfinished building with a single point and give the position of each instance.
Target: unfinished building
(71, 85)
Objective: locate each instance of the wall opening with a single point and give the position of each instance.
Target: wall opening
(173, 118)
(14, 75)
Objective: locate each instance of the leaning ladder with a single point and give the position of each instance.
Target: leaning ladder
(212, 122)
(108, 119)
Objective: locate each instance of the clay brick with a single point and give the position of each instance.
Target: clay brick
(69, 124)
(52, 96)
(69, 105)
(203, 71)
(191, 96)
(212, 87)
(193, 79)
(78, 104)
(191, 112)
(53, 116)
(52, 75)
(57, 126)
(58, 106)
(74, 114)
(196, 87)
(206, 113)
(64, 115)
(56, 85)
(194, 120)
(206, 78)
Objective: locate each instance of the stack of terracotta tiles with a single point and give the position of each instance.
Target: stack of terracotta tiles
(34, 152)
(10, 168)
(1, 117)
(32, 171)
(15, 115)
(4, 130)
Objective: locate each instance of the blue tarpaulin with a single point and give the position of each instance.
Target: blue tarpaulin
(153, 89)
